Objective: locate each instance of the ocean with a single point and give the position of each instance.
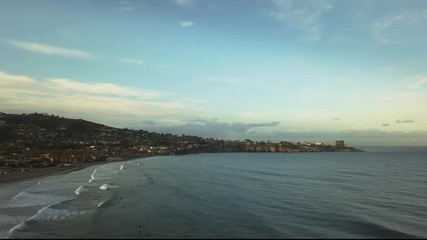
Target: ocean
(380, 193)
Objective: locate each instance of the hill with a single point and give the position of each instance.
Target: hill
(41, 140)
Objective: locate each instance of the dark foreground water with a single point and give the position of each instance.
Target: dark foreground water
(376, 194)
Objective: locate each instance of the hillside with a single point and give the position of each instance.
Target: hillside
(40, 140)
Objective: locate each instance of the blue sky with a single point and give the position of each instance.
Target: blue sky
(260, 69)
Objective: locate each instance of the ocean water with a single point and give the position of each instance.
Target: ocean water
(381, 193)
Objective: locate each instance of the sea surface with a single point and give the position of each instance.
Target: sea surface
(380, 193)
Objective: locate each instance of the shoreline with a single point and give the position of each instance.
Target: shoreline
(38, 173)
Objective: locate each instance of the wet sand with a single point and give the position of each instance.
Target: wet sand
(13, 183)
(14, 177)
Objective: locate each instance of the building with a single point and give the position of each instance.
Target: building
(339, 143)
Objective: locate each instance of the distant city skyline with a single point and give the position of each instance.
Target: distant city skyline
(274, 70)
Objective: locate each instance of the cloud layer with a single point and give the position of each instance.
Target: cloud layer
(50, 50)
(102, 102)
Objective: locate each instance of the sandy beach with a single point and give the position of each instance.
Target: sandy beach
(14, 177)
(12, 184)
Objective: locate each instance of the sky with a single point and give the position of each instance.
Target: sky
(273, 70)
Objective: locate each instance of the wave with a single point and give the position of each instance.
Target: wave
(375, 230)
(50, 214)
(47, 214)
(6, 220)
(27, 199)
(108, 186)
(80, 190)
(99, 174)
(103, 202)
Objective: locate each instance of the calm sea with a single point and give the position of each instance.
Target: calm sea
(381, 193)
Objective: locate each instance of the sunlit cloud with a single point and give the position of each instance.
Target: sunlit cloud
(186, 24)
(101, 102)
(107, 89)
(50, 50)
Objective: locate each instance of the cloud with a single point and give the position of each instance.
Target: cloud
(129, 5)
(213, 128)
(234, 130)
(304, 15)
(187, 23)
(385, 125)
(125, 5)
(132, 61)
(405, 121)
(50, 50)
(100, 102)
(398, 26)
(184, 3)
(336, 119)
(416, 81)
(100, 89)
(363, 137)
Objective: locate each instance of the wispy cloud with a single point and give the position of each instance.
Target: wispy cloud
(385, 125)
(184, 3)
(102, 102)
(405, 121)
(106, 89)
(416, 81)
(399, 25)
(132, 61)
(125, 5)
(186, 24)
(129, 5)
(304, 15)
(50, 50)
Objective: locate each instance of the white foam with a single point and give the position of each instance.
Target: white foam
(103, 172)
(6, 219)
(102, 203)
(107, 186)
(122, 166)
(6, 222)
(20, 226)
(92, 177)
(27, 199)
(50, 214)
(80, 190)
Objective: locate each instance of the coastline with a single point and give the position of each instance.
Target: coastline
(38, 173)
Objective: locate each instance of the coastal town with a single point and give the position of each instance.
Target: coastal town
(40, 140)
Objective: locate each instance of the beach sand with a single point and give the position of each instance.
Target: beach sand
(13, 183)
(13, 177)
